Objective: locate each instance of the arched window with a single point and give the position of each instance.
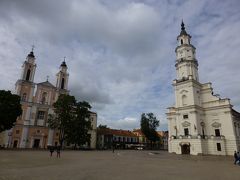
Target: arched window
(184, 100)
(28, 75)
(44, 97)
(24, 97)
(181, 41)
(62, 84)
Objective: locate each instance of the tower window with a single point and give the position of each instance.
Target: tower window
(24, 97)
(217, 132)
(185, 116)
(184, 100)
(186, 132)
(181, 41)
(62, 84)
(219, 147)
(28, 75)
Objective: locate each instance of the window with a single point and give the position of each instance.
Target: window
(186, 132)
(219, 147)
(28, 75)
(217, 132)
(181, 41)
(24, 97)
(184, 100)
(17, 131)
(185, 116)
(62, 84)
(44, 97)
(40, 115)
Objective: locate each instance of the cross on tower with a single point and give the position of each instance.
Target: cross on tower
(47, 77)
(33, 47)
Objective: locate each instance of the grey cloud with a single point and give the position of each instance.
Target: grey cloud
(120, 54)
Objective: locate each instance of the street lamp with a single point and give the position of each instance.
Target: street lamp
(9, 136)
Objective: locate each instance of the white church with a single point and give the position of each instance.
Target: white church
(199, 122)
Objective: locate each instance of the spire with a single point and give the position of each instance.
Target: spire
(64, 63)
(183, 31)
(183, 28)
(31, 54)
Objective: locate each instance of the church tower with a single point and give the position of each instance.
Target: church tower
(62, 78)
(199, 122)
(25, 85)
(186, 63)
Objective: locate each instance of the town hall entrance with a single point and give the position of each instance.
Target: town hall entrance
(185, 149)
(36, 143)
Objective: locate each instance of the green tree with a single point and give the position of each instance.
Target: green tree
(63, 115)
(80, 125)
(10, 109)
(149, 124)
(102, 126)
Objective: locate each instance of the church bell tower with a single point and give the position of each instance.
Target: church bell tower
(186, 63)
(25, 85)
(62, 77)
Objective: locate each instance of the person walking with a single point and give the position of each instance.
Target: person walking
(113, 147)
(238, 158)
(51, 149)
(58, 151)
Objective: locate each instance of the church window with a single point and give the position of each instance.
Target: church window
(185, 116)
(181, 41)
(217, 132)
(219, 147)
(40, 115)
(62, 84)
(17, 131)
(24, 97)
(203, 133)
(184, 100)
(44, 97)
(28, 75)
(186, 132)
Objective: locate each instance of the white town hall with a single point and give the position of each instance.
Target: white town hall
(199, 122)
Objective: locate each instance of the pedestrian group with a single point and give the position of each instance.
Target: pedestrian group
(53, 148)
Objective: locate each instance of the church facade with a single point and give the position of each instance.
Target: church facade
(31, 128)
(199, 122)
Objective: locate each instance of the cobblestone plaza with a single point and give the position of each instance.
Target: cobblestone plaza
(104, 165)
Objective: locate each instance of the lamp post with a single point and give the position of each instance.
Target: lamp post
(9, 138)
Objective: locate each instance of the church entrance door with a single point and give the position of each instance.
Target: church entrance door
(185, 149)
(15, 143)
(36, 143)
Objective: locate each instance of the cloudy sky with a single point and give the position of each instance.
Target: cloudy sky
(120, 54)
